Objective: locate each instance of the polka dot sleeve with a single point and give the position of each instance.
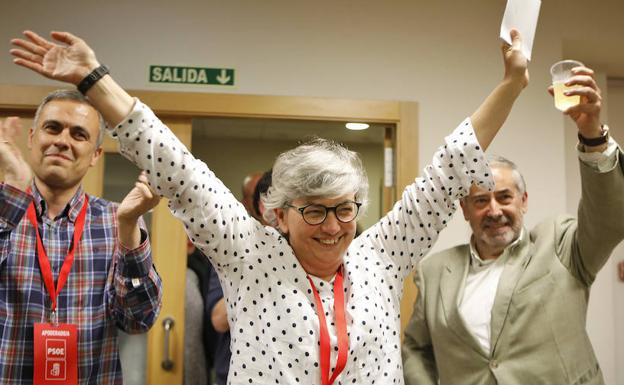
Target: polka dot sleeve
(214, 220)
(410, 229)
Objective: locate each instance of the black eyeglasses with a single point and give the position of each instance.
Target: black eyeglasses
(315, 214)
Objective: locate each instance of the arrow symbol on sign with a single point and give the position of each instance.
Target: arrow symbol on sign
(223, 77)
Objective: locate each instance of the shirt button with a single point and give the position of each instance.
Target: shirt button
(493, 364)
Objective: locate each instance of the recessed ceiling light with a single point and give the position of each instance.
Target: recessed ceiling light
(357, 126)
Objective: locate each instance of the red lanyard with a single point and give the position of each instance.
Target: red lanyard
(341, 330)
(44, 263)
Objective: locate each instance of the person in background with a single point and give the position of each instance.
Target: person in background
(217, 310)
(199, 334)
(261, 189)
(207, 338)
(249, 187)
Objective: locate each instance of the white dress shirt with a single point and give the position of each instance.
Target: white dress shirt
(479, 292)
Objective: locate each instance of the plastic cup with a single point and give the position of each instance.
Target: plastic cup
(562, 72)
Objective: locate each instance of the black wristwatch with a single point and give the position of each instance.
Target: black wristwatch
(591, 142)
(89, 80)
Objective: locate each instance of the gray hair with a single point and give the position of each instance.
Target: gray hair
(75, 96)
(316, 168)
(502, 162)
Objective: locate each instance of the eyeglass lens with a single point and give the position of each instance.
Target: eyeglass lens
(345, 212)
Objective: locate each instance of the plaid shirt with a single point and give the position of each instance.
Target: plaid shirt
(108, 287)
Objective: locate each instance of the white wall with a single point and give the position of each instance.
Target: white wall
(443, 54)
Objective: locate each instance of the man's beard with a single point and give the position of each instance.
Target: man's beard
(503, 239)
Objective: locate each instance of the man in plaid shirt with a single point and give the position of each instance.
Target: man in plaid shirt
(112, 282)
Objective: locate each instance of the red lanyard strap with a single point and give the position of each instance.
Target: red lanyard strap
(44, 262)
(341, 331)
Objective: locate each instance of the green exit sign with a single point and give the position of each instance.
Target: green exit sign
(191, 75)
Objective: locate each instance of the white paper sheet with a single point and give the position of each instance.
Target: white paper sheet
(521, 15)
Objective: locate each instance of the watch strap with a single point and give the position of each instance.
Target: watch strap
(591, 142)
(89, 80)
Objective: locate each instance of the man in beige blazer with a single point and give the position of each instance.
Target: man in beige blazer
(510, 307)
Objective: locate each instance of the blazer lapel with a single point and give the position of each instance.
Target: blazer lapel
(514, 267)
(450, 284)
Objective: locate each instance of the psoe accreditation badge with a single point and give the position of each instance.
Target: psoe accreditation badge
(56, 355)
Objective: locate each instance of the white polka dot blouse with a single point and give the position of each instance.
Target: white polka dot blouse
(271, 307)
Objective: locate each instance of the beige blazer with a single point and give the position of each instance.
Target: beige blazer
(538, 331)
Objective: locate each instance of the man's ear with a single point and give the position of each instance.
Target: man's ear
(96, 155)
(525, 202)
(31, 133)
(282, 220)
(462, 203)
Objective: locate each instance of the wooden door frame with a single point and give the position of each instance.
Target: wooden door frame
(21, 99)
